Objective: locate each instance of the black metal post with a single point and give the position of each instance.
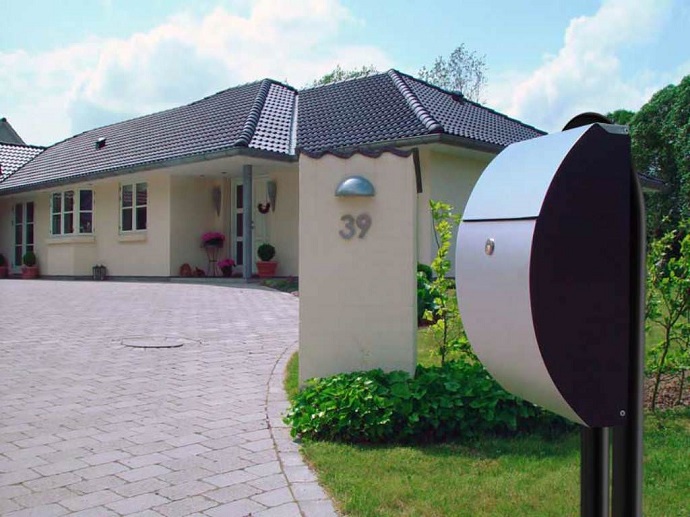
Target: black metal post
(627, 439)
(594, 472)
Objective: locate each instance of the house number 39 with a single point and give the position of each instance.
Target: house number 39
(361, 222)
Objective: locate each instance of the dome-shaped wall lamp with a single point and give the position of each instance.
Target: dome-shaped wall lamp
(355, 186)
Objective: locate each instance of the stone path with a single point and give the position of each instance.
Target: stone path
(90, 426)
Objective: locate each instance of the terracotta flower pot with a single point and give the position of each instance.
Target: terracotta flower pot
(266, 269)
(29, 272)
(227, 271)
(4, 271)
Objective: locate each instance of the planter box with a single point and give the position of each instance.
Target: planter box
(29, 272)
(266, 269)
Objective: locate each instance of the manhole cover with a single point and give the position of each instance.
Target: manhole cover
(156, 342)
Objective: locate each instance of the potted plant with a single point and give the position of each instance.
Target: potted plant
(4, 270)
(212, 240)
(226, 266)
(29, 269)
(266, 266)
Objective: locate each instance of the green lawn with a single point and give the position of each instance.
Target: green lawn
(493, 476)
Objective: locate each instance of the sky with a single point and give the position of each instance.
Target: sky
(72, 65)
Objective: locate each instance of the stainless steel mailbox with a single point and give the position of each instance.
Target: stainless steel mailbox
(543, 270)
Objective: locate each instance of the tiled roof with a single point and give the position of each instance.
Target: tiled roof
(269, 117)
(229, 119)
(13, 156)
(394, 106)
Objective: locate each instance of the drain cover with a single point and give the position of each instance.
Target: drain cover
(156, 342)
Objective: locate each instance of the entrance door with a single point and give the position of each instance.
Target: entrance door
(239, 212)
(237, 224)
(23, 232)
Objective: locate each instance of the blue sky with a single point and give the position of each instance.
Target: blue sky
(73, 65)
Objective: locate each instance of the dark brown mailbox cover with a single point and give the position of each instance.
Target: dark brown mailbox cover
(543, 271)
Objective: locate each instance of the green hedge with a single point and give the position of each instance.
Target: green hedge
(458, 400)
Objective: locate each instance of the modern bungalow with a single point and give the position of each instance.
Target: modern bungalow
(137, 195)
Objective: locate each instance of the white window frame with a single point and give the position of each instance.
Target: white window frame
(75, 212)
(135, 205)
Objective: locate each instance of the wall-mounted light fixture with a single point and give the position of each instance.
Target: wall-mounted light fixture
(272, 191)
(355, 186)
(216, 197)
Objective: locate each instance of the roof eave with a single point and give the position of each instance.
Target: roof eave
(433, 138)
(249, 152)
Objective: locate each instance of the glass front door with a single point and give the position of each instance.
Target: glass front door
(23, 231)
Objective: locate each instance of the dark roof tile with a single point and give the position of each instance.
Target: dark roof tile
(13, 156)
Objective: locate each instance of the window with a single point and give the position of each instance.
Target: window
(70, 208)
(133, 207)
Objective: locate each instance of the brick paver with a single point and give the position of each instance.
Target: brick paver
(89, 426)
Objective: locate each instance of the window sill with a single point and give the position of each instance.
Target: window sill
(71, 239)
(132, 237)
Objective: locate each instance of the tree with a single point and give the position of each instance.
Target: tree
(622, 117)
(660, 133)
(464, 71)
(339, 74)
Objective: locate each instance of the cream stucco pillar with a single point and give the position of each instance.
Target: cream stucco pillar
(357, 267)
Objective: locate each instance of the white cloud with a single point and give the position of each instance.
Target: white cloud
(51, 95)
(586, 73)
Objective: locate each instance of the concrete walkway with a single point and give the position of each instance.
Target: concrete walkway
(92, 424)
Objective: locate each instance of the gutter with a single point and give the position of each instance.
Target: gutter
(153, 165)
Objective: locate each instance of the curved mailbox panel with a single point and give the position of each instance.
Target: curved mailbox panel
(543, 278)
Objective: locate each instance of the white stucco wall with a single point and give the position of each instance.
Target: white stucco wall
(357, 296)
(191, 215)
(283, 224)
(447, 177)
(144, 253)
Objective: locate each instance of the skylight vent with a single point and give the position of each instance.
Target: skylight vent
(100, 143)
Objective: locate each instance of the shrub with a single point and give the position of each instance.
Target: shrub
(3, 261)
(426, 296)
(457, 400)
(29, 259)
(428, 272)
(266, 252)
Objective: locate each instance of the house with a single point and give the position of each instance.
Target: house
(137, 195)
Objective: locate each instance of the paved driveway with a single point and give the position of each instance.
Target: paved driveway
(92, 424)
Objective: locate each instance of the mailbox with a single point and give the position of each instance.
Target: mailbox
(543, 270)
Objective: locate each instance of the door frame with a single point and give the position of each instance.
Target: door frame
(25, 245)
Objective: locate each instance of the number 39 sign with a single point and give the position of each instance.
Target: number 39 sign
(362, 222)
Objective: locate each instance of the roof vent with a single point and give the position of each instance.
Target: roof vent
(100, 143)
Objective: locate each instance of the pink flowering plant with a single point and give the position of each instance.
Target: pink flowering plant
(212, 239)
(226, 263)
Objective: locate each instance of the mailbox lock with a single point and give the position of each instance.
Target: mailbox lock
(489, 246)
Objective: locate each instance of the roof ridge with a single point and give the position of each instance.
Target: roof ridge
(465, 99)
(24, 145)
(414, 103)
(254, 114)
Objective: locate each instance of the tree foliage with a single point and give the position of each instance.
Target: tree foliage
(340, 74)
(660, 133)
(464, 71)
(622, 117)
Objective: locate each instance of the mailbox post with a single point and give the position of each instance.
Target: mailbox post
(549, 270)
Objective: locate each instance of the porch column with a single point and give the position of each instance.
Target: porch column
(247, 223)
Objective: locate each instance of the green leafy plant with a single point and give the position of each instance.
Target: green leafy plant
(266, 252)
(29, 259)
(457, 400)
(426, 294)
(668, 306)
(3, 260)
(443, 315)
